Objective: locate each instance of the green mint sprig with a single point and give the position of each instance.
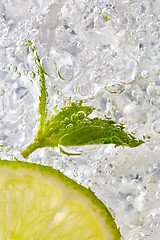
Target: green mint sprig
(72, 125)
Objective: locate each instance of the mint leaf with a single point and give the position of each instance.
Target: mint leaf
(72, 125)
(99, 131)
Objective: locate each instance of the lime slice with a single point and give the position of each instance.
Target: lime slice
(40, 203)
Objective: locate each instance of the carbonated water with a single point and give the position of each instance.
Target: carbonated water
(106, 53)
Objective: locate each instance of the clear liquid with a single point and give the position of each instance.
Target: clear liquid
(114, 65)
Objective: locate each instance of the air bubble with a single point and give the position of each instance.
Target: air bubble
(69, 126)
(10, 51)
(69, 30)
(24, 72)
(126, 70)
(66, 72)
(155, 102)
(61, 168)
(94, 186)
(144, 74)
(75, 172)
(115, 88)
(79, 7)
(156, 126)
(135, 114)
(81, 115)
(49, 65)
(130, 199)
(150, 90)
(74, 117)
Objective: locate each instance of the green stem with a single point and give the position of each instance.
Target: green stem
(31, 148)
(42, 101)
(43, 91)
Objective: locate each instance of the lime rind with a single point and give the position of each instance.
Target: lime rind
(46, 172)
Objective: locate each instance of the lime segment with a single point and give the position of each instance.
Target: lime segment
(40, 203)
